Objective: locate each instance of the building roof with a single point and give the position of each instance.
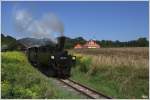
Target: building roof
(77, 46)
(91, 44)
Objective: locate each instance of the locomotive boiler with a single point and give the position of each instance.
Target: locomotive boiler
(52, 60)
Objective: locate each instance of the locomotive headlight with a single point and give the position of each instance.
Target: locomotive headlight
(73, 58)
(52, 57)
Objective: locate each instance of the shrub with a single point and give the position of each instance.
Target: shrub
(21, 80)
(84, 63)
(6, 89)
(118, 72)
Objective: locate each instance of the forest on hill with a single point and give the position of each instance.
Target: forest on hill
(140, 42)
(10, 43)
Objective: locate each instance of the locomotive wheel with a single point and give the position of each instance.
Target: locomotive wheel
(51, 72)
(38, 65)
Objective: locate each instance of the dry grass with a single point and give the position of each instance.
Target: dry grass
(138, 51)
(120, 72)
(137, 57)
(127, 60)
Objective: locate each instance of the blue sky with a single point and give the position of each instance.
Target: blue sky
(122, 21)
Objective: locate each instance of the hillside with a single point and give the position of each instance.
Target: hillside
(117, 72)
(6, 41)
(29, 42)
(10, 43)
(13, 44)
(20, 80)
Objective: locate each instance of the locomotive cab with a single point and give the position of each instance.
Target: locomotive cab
(61, 62)
(52, 60)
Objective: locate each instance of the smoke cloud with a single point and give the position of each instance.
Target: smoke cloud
(45, 27)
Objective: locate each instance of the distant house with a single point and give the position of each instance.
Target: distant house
(89, 44)
(78, 46)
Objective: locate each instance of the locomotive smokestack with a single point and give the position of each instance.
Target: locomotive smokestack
(61, 43)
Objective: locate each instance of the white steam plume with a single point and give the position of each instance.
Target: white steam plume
(38, 28)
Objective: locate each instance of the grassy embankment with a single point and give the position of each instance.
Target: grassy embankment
(20, 80)
(118, 72)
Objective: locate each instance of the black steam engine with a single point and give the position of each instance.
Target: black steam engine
(52, 60)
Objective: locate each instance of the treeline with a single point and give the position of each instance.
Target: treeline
(140, 42)
(70, 43)
(10, 43)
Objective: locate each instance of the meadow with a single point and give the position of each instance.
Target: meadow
(20, 80)
(117, 72)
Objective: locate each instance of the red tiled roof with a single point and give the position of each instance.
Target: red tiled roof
(91, 44)
(77, 46)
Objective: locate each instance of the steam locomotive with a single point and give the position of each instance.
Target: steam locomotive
(52, 60)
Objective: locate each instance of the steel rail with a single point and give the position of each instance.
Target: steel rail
(91, 93)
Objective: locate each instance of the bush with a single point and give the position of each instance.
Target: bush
(106, 74)
(21, 80)
(83, 63)
(6, 89)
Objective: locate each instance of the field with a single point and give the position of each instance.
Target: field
(118, 72)
(20, 80)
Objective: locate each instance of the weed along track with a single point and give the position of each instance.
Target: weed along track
(92, 94)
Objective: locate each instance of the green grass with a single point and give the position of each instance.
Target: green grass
(20, 80)
(117, 81)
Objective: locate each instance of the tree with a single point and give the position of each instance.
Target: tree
(142, 42)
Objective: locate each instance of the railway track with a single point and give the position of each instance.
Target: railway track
(92, 94)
